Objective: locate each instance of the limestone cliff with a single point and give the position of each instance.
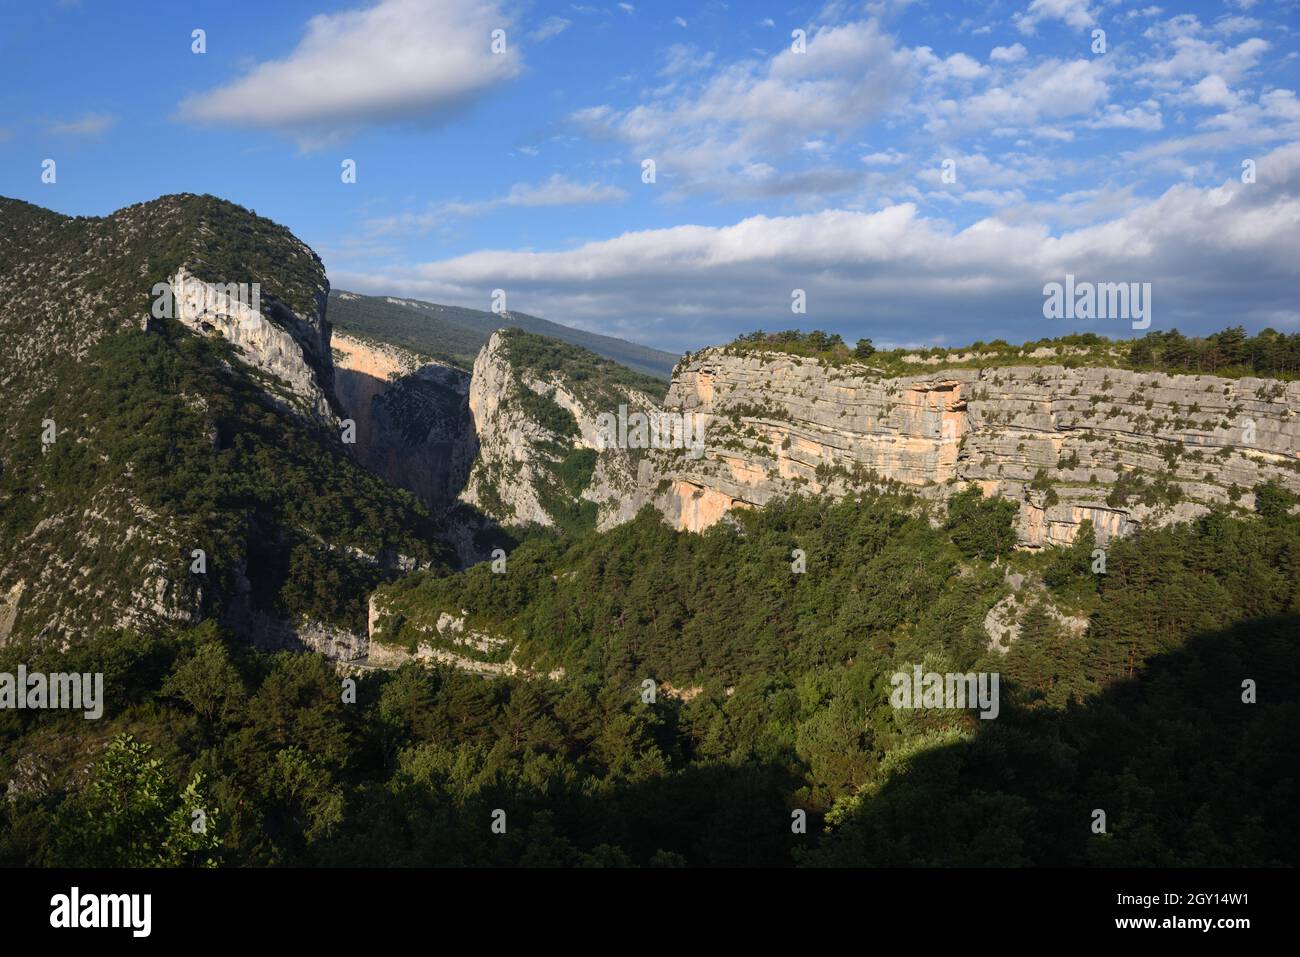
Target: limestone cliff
(1115, 447)
(411, 412)
(292, 350)
(539, 454)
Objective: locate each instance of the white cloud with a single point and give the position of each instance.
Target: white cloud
(550, 27)
(884, 158)
(1209, 252)
(559, 190)
(1142, 13)
(681, 59)
(88, 125)
(397, 60)
(1145, 116)
(1193, 59)
(1212, 91)
(1074, 13)
(1231, 25)
(1011, 54)
(959, 66)
(759, 111)
(1050, 91)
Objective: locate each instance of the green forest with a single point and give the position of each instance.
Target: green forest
(780, 706)
(185, 425)
(1231, 352)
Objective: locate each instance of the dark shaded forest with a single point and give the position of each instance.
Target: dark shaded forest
(1142, 716)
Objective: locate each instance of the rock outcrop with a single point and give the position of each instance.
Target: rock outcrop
(439, 637)
(1117, 448)
(292, 350)
(412, 416)
(531, 426)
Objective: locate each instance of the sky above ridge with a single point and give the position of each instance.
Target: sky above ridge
(919, 170)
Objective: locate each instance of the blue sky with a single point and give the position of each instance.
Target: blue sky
(821, 169)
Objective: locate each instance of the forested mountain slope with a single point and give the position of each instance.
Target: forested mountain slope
(135, 440)
(1142, 715)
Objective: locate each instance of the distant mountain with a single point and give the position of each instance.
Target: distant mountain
(455, 334)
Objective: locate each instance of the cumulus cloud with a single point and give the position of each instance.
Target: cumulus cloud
(398, 60)
(1212, 91)
(1211, 253)
(1048, 91)
(1074, 13)
(1145, 116)
(746, 115)
(959, 66)
(1193, 58)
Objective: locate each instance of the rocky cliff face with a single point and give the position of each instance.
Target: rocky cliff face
(412, 416)
(505, 479)
(292, 350)
(1114, 447)
(533, 427)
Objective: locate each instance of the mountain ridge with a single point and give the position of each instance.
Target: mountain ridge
(159, 469)
(455, 333)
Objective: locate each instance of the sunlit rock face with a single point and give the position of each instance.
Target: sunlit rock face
(1058, 441)
(293, 350)
(514, 477)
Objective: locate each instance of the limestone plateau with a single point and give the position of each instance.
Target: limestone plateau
(1057, 441)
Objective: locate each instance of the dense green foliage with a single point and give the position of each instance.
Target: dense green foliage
(981, 526)
(263, 494)
(548, 413)
(592, 376)
(1142, 716)
(1230, 353)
